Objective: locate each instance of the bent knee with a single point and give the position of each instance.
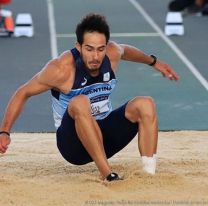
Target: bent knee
(140, 108)
(147, 107)
(79, 105)
(148, 101)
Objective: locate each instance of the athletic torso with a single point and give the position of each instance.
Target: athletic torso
(98, 89)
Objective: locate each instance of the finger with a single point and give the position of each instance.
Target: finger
(2, 151)
(171, 77)
(174, 74)
(3, 148)
(168, 75)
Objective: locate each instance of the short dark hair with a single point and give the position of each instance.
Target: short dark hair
(90, 23)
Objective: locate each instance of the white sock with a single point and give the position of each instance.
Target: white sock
(149, 164)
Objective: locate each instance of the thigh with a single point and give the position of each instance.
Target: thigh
(117, 131)
(69, 144)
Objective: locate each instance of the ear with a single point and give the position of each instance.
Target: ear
(78, 46)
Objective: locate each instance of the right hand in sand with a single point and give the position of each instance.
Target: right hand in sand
(4, 142)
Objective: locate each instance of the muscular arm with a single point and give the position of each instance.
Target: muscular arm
(51, 76)
(18, 100)
(15, 106)
(131, 53)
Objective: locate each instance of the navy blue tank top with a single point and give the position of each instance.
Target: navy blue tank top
(98, 90)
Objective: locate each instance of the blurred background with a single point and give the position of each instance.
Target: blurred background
(181, 105)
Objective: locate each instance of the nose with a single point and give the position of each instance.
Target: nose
(95, 55)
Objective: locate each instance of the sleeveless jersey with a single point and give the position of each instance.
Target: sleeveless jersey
(98, 90)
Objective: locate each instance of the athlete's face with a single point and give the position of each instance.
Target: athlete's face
(93, 51)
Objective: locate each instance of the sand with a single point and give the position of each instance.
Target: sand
(33, 173)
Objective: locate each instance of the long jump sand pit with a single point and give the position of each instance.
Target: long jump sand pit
(33, 173)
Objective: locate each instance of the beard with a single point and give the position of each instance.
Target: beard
(93, 67)
(93, 71)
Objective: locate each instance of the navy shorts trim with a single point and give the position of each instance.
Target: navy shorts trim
(117, 132)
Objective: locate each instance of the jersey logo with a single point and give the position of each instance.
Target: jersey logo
(84, 82)
(106, 77)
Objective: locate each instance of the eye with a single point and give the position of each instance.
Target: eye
(89, 49)
(101, 49)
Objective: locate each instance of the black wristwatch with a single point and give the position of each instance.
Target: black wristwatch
(154, 60)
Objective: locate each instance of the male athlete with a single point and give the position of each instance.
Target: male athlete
(81, 81)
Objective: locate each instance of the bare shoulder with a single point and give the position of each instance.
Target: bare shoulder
(114, 52)
(114, 49)
(58, 70)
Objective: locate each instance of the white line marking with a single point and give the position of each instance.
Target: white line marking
(114, 35)
(178, 52)
(52, 28)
